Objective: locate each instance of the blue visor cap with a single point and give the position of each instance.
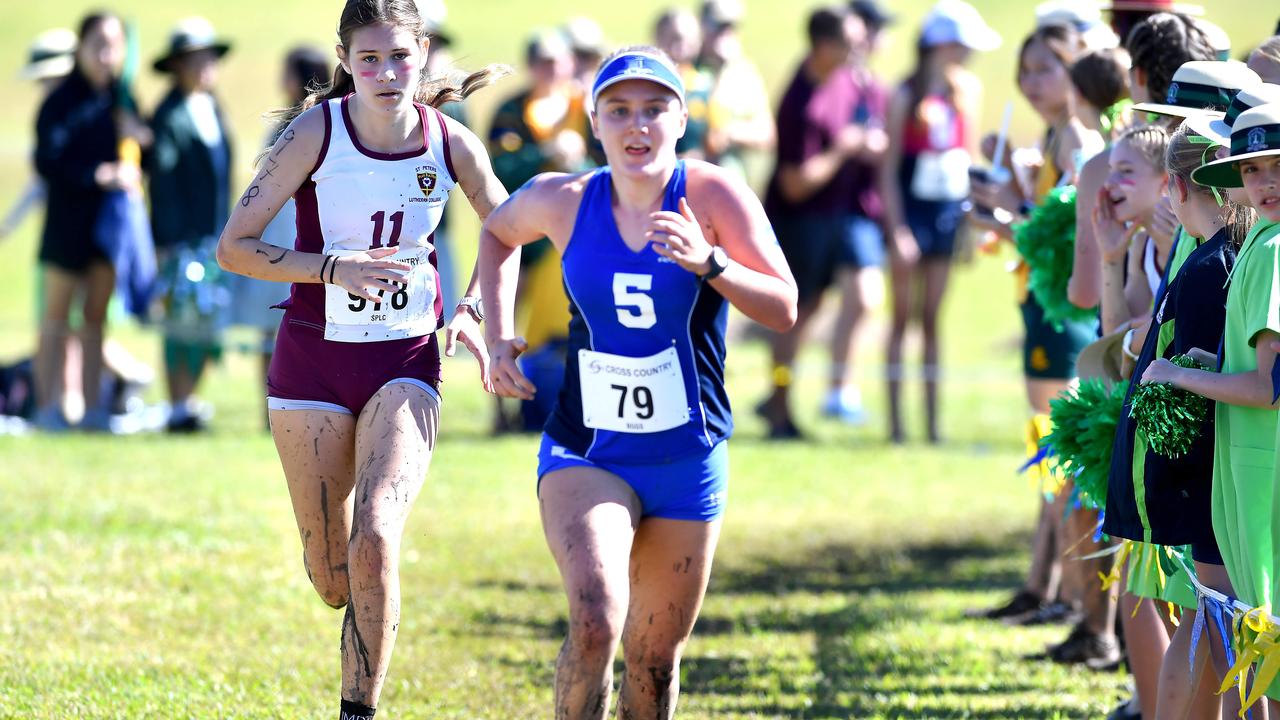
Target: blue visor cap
(636, 66)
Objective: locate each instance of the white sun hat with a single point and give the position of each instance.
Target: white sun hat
(1201, 85)
(1256, 133)
(1217, 126)
(956, 21)
(51, 55)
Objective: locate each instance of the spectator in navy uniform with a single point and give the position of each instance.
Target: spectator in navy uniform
(190, 172)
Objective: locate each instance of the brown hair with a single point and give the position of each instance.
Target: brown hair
(1101, 77)
(1150, 141)
(1160, 45)
(1269, 50)
(432, 90)
(1062, 40)
(1188, 151)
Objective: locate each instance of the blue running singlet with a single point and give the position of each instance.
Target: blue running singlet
(644, 377)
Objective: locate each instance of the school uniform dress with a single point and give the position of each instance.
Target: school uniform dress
(335, 350)
(643, 394)
(1151, 498)
(1244, 480)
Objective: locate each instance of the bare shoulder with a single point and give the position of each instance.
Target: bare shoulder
(302, 140)
(555, 189)
(716, 189)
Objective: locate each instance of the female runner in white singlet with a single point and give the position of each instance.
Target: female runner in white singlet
(352, 388)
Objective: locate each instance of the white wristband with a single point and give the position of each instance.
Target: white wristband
(1126, 343)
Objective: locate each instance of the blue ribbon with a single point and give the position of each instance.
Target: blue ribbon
(1275, 380)
(1044, 454)
(1097, 531)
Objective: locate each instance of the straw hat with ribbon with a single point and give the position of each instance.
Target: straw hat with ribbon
(190, 35)
(1256, 133)
(1217, 126)
(1202, 85)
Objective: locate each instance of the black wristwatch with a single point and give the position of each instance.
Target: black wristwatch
(719, 261)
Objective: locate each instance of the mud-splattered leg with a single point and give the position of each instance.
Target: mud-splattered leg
(670, 567)
(395, 436)
(316, 449)
(589, 518)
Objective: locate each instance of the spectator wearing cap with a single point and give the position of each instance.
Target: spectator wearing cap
(190, 172)
(738, 109)
(821, 198)
(932, 125)
(678, 34)
(543, 128)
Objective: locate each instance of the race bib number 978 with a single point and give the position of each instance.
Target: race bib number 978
(408, 311)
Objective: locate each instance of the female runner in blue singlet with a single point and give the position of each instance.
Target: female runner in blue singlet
(633, 465)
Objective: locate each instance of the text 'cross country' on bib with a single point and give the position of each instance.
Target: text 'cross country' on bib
(407, 312)
(632, 395)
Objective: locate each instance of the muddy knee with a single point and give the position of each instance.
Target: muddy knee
(330, 583)
(595, 627)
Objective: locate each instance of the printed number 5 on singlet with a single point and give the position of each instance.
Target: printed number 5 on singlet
(635, 308)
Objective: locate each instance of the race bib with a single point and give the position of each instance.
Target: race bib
(407, 312)
(632, 395)
(941, 176)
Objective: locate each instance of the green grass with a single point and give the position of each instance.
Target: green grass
(161, 577)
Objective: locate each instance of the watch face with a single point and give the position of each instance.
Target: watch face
(719, 257)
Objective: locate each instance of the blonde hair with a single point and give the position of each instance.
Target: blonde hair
(1150, 141)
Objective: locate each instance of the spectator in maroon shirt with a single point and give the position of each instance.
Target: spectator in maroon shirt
(822, 197)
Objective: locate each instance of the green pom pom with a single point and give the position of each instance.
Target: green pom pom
(1046, 242)
(1168, 416)
(1084, 431)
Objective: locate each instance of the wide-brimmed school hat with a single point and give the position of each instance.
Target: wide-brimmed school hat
(1154, 6)
(1256, 133)
(1103, 358)
(51, 55)
(1202, 85)
(956, 21)
(637, 66)
(190, 35)
(1217, 126)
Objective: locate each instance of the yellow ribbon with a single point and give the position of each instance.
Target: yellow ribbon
(1257, 640)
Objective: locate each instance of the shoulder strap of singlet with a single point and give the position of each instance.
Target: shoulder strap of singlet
(675, 188)
(443, 129)
(327, 111)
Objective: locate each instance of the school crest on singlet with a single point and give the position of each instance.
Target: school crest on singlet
(364, 200)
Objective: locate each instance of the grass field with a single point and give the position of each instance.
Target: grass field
(161, 577)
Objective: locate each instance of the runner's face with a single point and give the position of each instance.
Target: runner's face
(1261, 178)
(385, 62)
(1134, 186)
(639, 122)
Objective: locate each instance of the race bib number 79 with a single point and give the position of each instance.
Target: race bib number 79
(632, 395)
